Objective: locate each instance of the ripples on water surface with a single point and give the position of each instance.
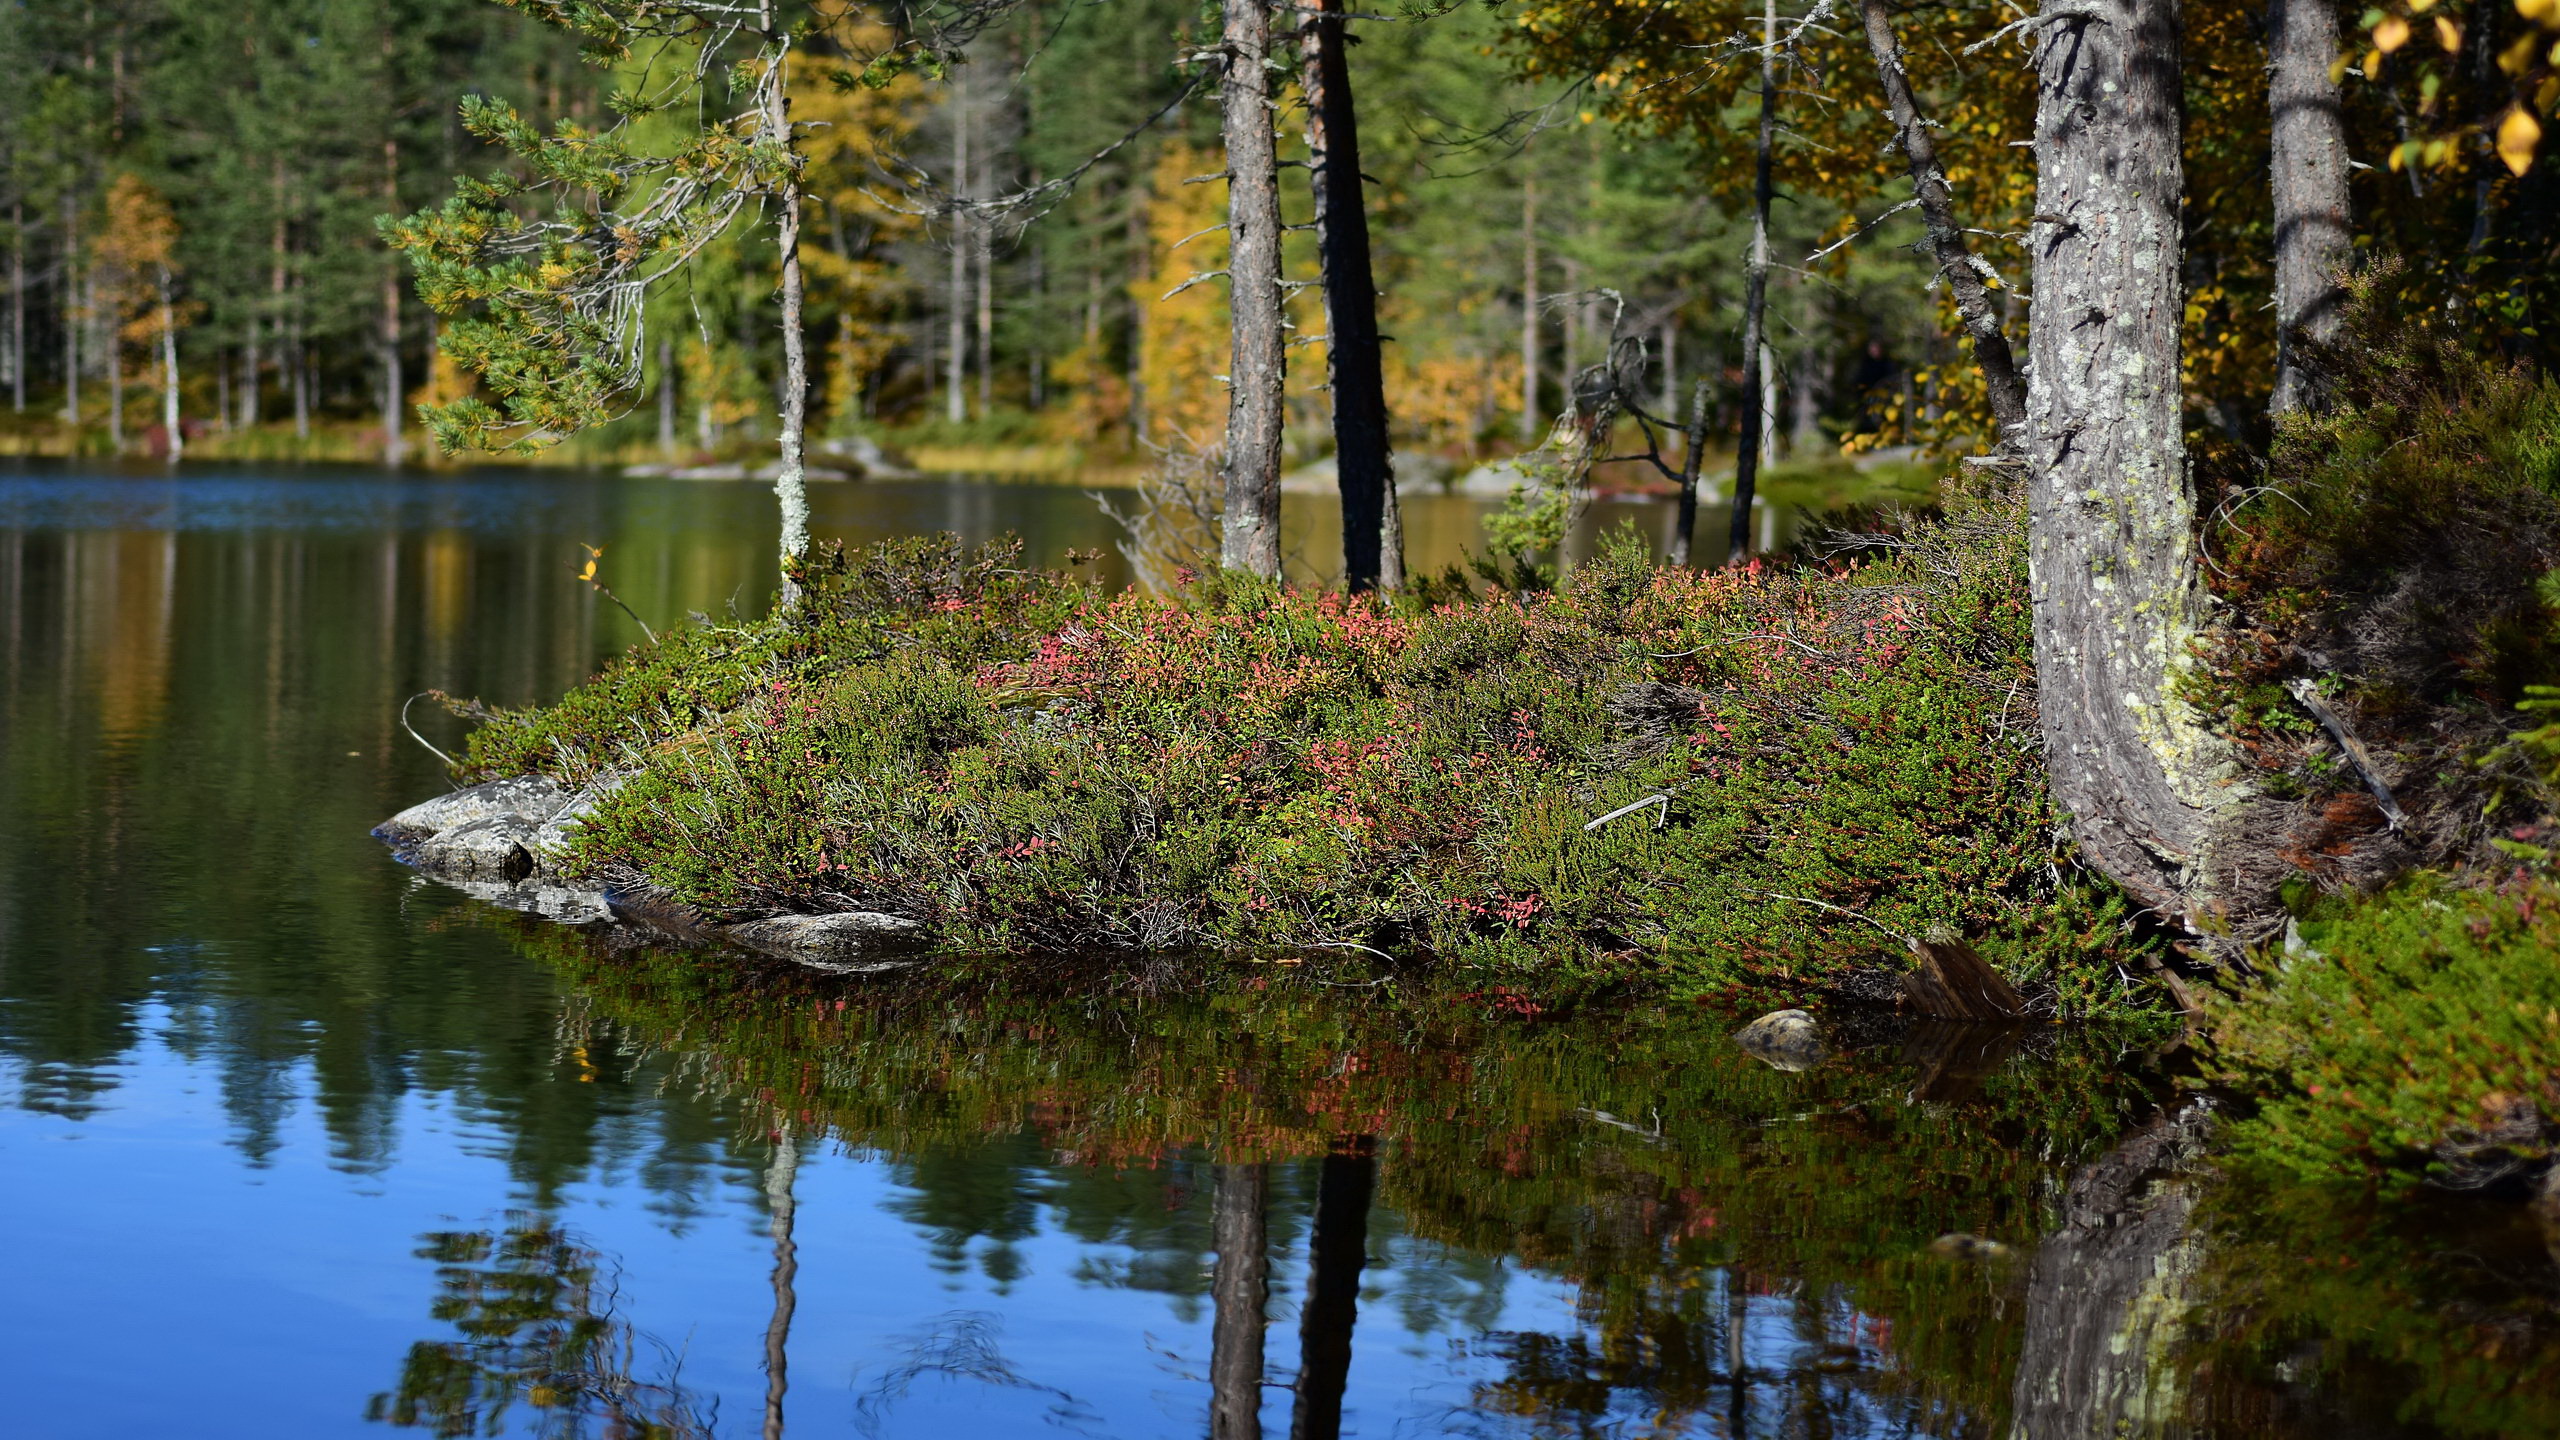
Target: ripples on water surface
(296, 1144)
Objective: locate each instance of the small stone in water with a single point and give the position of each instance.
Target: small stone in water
(1968, 1247)
(1784, 1039)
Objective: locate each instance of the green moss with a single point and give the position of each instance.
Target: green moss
(1825, 759)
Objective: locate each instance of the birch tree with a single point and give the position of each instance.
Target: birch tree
(548, 312)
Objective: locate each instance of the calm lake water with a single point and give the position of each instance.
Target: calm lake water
(295, 1143)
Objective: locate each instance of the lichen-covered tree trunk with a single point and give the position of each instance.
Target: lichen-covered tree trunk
(2112, 554)
(2307, 168)
(2108, 1294)
(1256, 366)
(790, 481)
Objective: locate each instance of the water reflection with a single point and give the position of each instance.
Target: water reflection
(297, 1144)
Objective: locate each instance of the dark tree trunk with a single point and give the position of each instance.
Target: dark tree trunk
(1238, 1290)
(1256, 366)
(2111, 550)
(1372, 532)
(1755, 297)
(2107, 1293)
(2008, 392)
(1336, 1251)
(2307, 169)
(1690, 459)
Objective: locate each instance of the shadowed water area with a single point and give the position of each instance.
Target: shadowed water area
(296, 1143)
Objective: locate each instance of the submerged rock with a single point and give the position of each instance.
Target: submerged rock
(1961, 1246)
(1783, 1040)
(842, 941)
(533, 798)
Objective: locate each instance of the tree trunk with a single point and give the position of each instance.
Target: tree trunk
(667, 398)
(1529, 308)
(790, 483)
(71, 316)
(395, 387)
(1238, 1289)
(1257, 364)
(1956, 265)
(115, 393)
(1336, 1250)
(247, 413)
(1372, 549)
(955, 360)
(2111, 547)
(1755, 296)
(2107, 1294)
(18, 307)
(2307, 170)
(780, 1188)
(1691, 458)
(170, 419)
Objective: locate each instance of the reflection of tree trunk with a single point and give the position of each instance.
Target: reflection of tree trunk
(1335, 1253)
(2107, 1294)
(1238, 1290)
(779, 1180)
(1737, 1313)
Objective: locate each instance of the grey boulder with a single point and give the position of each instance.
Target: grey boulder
(855, 941)
(493, 847)
(535, 798)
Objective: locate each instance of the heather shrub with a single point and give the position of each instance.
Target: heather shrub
(1822, 760)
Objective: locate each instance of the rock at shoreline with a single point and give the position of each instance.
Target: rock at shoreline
(493, 847)
(838, 942)
(502, 841)
(1783, 1040)
(534, 798)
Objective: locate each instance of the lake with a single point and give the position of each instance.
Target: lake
(294, 1142)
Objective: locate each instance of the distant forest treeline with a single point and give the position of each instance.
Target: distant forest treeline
(192, 191)
(189, 196)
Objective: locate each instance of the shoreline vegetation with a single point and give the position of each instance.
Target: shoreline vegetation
(1733, 786)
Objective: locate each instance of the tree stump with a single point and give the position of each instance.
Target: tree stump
(1954, 983)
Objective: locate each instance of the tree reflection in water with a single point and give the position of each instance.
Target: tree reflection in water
(532, 1311)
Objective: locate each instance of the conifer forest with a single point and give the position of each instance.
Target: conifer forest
(1525, 718)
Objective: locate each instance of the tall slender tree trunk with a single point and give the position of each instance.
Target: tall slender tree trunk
(1257, 365)
(395, 387)
(790, 483)
(781, 1182)
(982, 241)
(2111, 547)
(666, 397)
(171, 420)
(247, 412)
(2308, 172)
(18, 306)
(1529, 308)
(115, 392)
(1694, 455)
(1956, 264)
(1238, 1289)
(1372, 530)
(1755, 295)
(955, 404)
(1337, 1249)
(72, 316)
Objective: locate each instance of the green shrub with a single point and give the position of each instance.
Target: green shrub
(2419, 1031)
(1825, 759)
